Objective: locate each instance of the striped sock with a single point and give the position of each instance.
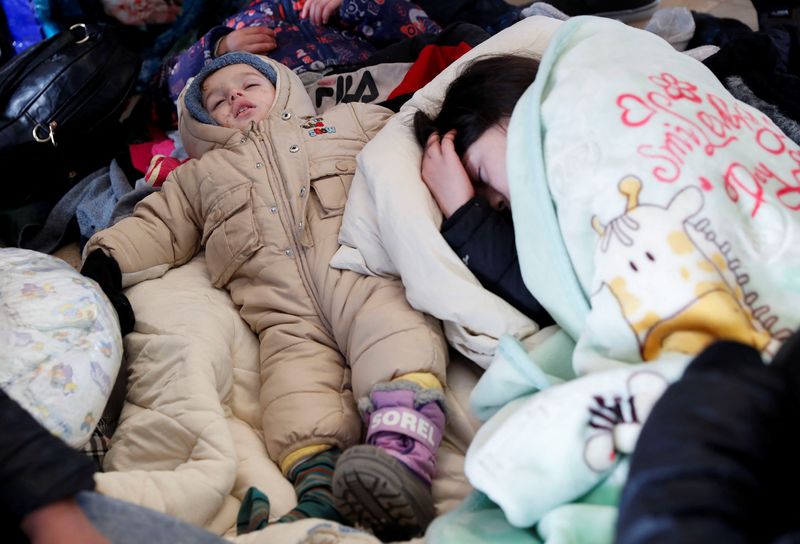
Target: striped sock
(313, 483)
(253, 513)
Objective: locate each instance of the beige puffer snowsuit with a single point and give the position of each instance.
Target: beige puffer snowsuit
(266, 204)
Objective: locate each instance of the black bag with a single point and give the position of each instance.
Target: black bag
(60, 107)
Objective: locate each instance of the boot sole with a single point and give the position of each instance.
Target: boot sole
(375, 491)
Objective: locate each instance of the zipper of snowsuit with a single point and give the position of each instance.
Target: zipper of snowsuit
(283, 201)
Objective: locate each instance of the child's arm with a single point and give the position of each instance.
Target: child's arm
(188, 63)
(319, 11)
(41, 474)
(482, 237)
(253, 39)
(164, 231)
(256, 36)
(387, 22)
(443, 173)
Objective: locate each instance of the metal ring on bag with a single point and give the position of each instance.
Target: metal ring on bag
(51, 136)
(85, 31)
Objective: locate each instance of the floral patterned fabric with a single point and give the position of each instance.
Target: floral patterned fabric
(60, 345)
(138, 12)
(361, 28)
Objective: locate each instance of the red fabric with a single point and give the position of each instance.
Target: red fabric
(159, 169)
(431, 61)
(164, 147)
(142, 154)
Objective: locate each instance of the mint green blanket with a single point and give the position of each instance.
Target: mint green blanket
(654, 215)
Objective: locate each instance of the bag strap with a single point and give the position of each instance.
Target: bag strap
(17, 69)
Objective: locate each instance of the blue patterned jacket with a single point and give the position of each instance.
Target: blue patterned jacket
(361, 28)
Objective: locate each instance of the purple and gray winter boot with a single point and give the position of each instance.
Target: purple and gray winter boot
(385, 485)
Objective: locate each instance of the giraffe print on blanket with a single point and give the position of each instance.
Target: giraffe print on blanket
(675, 296)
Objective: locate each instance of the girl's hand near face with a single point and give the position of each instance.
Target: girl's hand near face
(444, 174)
(253, 39)
(320, 11)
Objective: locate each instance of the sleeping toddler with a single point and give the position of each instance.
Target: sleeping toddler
(264, 197)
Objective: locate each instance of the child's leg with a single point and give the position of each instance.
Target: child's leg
(304, 398)
(309, 415)
(313, 481)
(386, 484)
(312, 478)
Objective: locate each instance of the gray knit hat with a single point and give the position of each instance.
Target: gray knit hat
(194, 94)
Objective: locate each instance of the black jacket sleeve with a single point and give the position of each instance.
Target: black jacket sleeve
(105, 271)
(484, 239)
(717, 453)
(36, 468)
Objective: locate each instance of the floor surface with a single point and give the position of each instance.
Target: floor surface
(734, 9)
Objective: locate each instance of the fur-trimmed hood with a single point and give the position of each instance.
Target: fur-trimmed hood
(198, 137)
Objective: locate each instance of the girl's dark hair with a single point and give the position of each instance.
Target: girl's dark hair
(480, 97)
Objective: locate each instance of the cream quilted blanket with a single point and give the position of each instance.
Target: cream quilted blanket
(188, 442)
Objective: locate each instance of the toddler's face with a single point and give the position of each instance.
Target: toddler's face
(485, 162)
(237, 94)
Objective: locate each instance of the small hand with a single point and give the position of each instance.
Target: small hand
(253, 39)
(319, 11)
(61, 522)
(444, 174)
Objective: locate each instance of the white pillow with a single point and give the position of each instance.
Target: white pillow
(60, 344)
(391, 223)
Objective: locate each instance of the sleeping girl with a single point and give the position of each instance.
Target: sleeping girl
(655, 215)
(461, 167)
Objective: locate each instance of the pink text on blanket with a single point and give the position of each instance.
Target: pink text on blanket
(708, 125)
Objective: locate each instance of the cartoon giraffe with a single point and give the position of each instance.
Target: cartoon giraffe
(673, 296)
